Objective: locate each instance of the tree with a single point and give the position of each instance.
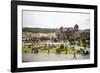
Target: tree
(88, 43)
(66, 48)
(78, 39)
(62, 46)
(84, 43)
(71, 41)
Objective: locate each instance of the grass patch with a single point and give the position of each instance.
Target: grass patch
(52, 50)
(27, 50)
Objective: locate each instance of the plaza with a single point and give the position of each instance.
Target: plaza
(60, 44)
(31, 57)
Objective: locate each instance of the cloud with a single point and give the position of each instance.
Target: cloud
(55, 19)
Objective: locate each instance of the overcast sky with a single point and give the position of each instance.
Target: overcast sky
(41, 19)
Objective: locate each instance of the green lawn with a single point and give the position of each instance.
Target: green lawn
(28, 50)
(52, 50)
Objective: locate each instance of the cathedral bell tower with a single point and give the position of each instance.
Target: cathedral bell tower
(76, 27)
(61, 29)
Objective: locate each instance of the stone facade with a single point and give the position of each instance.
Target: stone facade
(72, 33)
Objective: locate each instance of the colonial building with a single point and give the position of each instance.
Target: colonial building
(63, 33)
(29, 36)
(71, 33)
(85, 33)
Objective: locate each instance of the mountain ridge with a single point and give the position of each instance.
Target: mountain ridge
(35, 30)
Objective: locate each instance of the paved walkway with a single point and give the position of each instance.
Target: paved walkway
(31, 57)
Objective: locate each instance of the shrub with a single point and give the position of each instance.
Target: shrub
(61, 46)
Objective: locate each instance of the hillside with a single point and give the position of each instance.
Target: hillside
(42, 30)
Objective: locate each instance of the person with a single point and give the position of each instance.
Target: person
(74, 55)
(49, 49)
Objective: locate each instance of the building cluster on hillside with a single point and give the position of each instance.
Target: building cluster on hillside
(61, 34)
(36, 36)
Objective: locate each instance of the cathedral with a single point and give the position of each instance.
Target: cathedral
(71, 33)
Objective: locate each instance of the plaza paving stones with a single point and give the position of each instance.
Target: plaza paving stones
(31, 57)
